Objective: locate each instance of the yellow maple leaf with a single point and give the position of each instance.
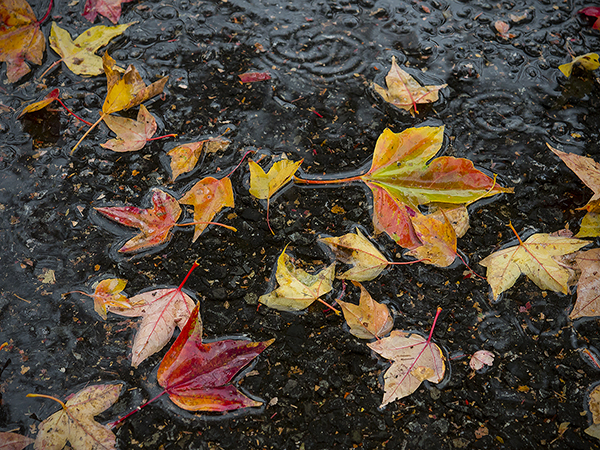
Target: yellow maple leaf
(297, 289)
(533, 258)
(264, 185)
(78, 54)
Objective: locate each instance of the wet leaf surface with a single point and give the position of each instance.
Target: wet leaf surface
(197, 376)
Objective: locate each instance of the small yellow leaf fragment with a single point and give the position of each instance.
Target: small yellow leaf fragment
(589, 61)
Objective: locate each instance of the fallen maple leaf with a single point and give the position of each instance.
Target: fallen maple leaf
(124, 91)
(592, 11)
(14, 441)
(481, 358)
(161, 311)
(297, 289)
(251, 77)
(264, 185)
(185, 157)
(208, 196)
(588, 171)
(111, 9)
(75, 421)
(197, 376)
(354, 248)
(533, 258)
(107, 293)
(403, 174)
(414, 360)
(155, 223)
(129, 90)
(588, 287)
(79, 55)
(404, 91)
(369, 319)
(589, 61)
(131, 134)
(20, 37)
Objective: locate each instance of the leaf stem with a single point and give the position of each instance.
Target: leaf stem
(50, 397)
(229, 227)
(510, 225)
(241, 161)
(437, 314)
(54, 64)
(161, 137)
(118, 421)
(79, 292)
(333, 181)
(39, 22)
(72, 113)
(194, 265)
(88, 132)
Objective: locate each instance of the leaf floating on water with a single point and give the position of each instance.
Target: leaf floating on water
(79, 55)
(75, 423)
(128, 90)
(131, 134)
(36, 106)
(264, 185)
(185, 157)
(155, 224)
(251, 77)
(534, 258)
(161, 310)
(438, 238)
(297, 289)
(481, 358)
(404, 91)
(414, 360)
(208, 196)
(369, 319)
(197, 376)
(355, 249)
(588, 171)
(403, 174)
(107, 293)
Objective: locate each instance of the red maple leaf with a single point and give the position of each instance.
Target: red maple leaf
(111, 9)
(154, 223)
(198, 376)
